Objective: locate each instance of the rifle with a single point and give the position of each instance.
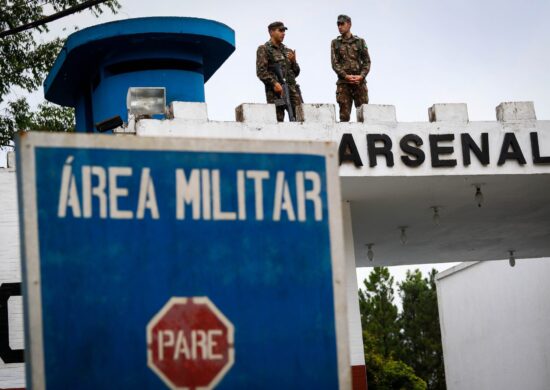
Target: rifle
(284, 100)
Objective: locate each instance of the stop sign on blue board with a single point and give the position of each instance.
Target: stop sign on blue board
(116, 227)
(190, 343)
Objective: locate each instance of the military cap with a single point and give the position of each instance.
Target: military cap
(343, 19)
(276, 25)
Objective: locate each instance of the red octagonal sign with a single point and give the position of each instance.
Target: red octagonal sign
(190, 343)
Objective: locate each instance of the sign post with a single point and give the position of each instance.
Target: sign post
(181, 263)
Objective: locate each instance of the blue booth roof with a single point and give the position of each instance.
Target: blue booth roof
(87, 51)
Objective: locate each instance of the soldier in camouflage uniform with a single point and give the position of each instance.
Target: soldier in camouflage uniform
(351, 62)
(273, 51)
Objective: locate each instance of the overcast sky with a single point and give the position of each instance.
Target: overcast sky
(479, 52)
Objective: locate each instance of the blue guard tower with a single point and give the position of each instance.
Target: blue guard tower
(97, 65)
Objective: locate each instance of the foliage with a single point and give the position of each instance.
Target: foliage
(421, 335)
(402, 350)
(378, 312)
(48, 117)
(25, 61)
(387, 373)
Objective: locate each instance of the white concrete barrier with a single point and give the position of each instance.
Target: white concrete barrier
(319, 113)
(189, 110)
(256, 113)
(448, 112)
(376, 113)
(515, 111)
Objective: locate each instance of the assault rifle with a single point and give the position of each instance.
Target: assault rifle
(284, 100)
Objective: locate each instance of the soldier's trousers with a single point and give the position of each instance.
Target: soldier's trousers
(346, 94)
(295, 100)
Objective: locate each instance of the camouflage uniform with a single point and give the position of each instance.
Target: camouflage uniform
(267, 55)
(350, 57)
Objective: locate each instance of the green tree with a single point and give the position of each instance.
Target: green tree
(48, 117)
(388, 373)
(420, 332)
(25, 61)
(379, 313)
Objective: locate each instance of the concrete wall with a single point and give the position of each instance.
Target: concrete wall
(258, 121)
(12, 375)
(355, 333)
(495, 325)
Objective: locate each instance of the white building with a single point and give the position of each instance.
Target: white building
(494, 325)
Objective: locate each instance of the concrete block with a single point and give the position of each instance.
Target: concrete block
(193, 111)
(10, 158)
(515, 111)
(448, 112)
(256, 113)
(319, 113)
(376, 113)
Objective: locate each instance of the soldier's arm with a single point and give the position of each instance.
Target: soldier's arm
(365, 59)
(262, 71)
(295, 68)
(291, 56)
(334, 59)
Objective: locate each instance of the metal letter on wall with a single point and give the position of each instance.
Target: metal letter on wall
(8, 355)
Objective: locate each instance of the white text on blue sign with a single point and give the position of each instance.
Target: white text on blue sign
(198, 194)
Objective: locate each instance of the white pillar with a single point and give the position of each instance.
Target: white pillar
(357, 357)
(12, 375)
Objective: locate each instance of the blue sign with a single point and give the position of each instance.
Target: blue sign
(115, 227)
